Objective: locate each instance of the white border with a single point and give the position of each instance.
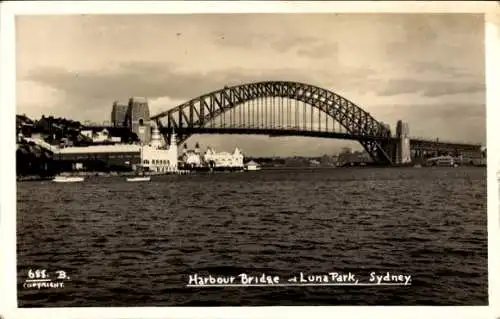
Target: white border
(492, 46)
(8, 299)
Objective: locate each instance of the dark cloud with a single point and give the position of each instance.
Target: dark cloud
(87, 93)
(459, 122)
(91, 94)
(154, 80)
(446, 111)
(430, 88)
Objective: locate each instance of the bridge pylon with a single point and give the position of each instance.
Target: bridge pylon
(403, 150)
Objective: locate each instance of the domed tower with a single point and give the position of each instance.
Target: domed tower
(138, 119)
(156, 138)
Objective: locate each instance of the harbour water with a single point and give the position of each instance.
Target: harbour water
(135, 244)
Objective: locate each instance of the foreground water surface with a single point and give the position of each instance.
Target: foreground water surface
(135, 244)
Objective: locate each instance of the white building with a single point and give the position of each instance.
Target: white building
(159, 157)
(156, 156)
(192, 158)
(253, 166)
(223, 159)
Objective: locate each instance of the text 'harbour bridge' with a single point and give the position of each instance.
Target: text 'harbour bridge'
(283, 108)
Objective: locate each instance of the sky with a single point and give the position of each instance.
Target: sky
(426, 69)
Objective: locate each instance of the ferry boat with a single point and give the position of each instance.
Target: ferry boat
(139, 179)
(68, 179)
(447, 161)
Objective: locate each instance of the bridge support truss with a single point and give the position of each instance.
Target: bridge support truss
(279, 105)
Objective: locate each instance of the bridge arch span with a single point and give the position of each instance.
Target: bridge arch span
(197, 112)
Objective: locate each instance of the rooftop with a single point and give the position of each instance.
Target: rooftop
(139, 99)
(116, 148)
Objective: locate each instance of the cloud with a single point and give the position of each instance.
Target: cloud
(430, 88)
(163, 103)
(168, 86)
(39, 93)
(306, 46)
(459, 122)
(320, 50)
(373, 60)
(444, 110)
(426, 67)
(86, 93)
(153, 80)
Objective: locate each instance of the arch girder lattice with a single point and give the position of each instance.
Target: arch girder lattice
(201, 110)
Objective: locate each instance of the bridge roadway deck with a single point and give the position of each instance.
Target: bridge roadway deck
(277, 132)
(423, 144)
(415, 143)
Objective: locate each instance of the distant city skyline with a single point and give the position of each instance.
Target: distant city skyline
(426, 69)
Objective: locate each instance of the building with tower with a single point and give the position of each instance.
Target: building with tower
(223, 159)
(119, 114)
(210, 160)
(138, 120)
(135, 116)
(192, 158)
(158, 156)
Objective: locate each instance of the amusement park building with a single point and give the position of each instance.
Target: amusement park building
(155, 156)
(194, 158)
(223, 159)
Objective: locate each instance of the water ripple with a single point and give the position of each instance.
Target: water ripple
(128, 244)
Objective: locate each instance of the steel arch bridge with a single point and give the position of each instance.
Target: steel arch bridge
(278, 108)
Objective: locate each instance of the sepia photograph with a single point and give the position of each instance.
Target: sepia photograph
(251, 159)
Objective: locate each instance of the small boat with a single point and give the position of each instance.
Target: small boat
(139, 179)
(68, 179)
(139, 176)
